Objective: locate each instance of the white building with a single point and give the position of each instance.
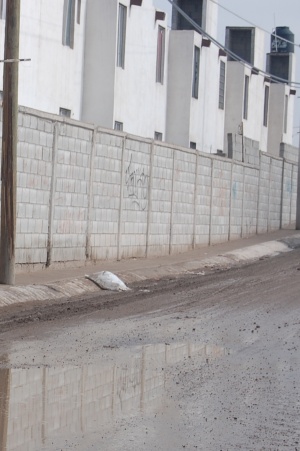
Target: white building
(247, 91)
(196, 81)
(117, 64)
(52, 35)
(125, 68)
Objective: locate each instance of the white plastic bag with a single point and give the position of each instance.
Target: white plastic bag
(108, 281)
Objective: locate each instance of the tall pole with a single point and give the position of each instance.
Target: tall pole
(9, 143)
(298, 190)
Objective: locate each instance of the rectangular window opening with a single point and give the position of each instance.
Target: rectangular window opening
(222, 85)
(158, 136)
(69, 23)
(118, 126)
(160, 61)
(193, 145)
(121, 36)
(195, 89)
(64, 112)
(246, 97)
(78, 11)
(266, 105)
(286, 107)
(3, 9)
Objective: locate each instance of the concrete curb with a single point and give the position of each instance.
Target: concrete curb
(81, 286)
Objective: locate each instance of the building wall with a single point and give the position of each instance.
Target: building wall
(100, 62)
(53, 77)
(86, 193)
(189, 119)
(140, 101)
(276, 133)
(253, 126)
(59, 406)
(180, 78)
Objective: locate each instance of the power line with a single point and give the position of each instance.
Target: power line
(235, 57)
(254, 25)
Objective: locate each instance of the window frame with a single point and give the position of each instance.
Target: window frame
(118, 126)
(196, 73)
(69, 23)
(285, 118)
(160, 55)
(121, 39)
(65, 112)
(78, 11)
(3, 4)
(222, 81)
(266, 105)
(246, 97)
(158, 136)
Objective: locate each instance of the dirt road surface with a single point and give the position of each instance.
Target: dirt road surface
(208, 362)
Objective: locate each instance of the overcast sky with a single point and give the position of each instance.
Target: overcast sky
(265, 14)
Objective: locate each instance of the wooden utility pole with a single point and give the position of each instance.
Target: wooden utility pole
(9, 143)
(298, 190)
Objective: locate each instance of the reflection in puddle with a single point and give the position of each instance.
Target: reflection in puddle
(38, 404)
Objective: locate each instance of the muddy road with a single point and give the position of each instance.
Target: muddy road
(208, 362)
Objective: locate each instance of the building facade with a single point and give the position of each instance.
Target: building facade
(117, 64)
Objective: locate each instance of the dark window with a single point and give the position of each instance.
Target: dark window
(195, 89)
(266, 105)
(121, 36)
(286, 108)
(2, 9)
(241, 42)
(222, 85)
(160, 59)
(78, 11)
(158, 136)
(69, 25)
(64, 112)
(193, 145)
(246, 97)
(118, 126)
(193, 8)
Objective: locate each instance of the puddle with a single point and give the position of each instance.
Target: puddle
(38, 405)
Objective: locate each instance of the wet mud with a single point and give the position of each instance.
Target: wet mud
(199, 362)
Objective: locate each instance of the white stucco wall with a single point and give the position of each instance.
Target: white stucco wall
(53, 77)
(253, 126)
(190, 119)
(181, 63)
(276, 129)
(140, 101)
(100, 62)
(234, 99)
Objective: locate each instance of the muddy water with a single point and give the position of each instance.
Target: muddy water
(43, 408)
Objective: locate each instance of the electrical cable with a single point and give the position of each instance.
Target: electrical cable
(254, 25)
(235, 57)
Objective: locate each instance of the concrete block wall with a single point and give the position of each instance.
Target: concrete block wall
(287, 191)
(250, 201)
(236, 201)
(288, 152)
(160, 200)
(71, 193)
(275, 193)
(221, 188)
(87, 193)
(34, 176)
(46, 405)
(182, 227)
(203, 200)
(135, 202)
(105, 194)
(240, 148)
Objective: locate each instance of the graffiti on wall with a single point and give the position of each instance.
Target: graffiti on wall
(137, 185)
